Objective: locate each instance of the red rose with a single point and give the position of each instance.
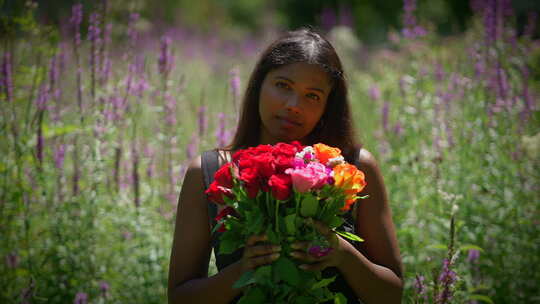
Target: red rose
(284, 149)
(299, 147)
(223, 176)
(264, 163)
(250, 178)
(282, 163)
(281, 185)
(215, 193)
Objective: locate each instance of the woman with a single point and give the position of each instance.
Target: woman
(297, 92)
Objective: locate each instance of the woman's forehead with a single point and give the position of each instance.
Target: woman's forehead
(303, 73)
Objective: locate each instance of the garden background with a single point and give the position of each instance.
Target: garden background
(104, 103)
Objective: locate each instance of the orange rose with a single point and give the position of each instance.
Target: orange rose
(351, 180)
(324, 152)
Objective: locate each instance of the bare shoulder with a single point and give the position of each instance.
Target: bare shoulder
(368, 163)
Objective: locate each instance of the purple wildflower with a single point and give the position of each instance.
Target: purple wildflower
(104, 288)
(235, 85)
(398, 129)
(385, 110)
(39, 145)
(94, 35)
(328, 18)
(59, 155)
(375, 92)
(135, 176)
(76, 19)
(127, 235)
(170, 107)
(439, 72)
(346, 17)
(132, 32)
(411, 28)
(7, 82)
(27, 293)
(12, 260)
(419, 284)
(203, 120)
(165, 61)
(42, 98)
(81, 298)
(447, 278)
(53, 76)
(502, 82)
(473, 256)
(490, 21)
(221, 132)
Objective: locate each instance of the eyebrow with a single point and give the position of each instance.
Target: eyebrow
(289, 80)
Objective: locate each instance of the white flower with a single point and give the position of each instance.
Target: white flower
(332, 162)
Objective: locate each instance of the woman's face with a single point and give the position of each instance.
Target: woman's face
(292, 100)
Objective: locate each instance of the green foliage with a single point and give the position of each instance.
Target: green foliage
(57, 241)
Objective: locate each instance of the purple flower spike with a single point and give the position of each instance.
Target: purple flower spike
(473, 256)
(12, 260)
(104, 288)
(319, 252)
(375, 93)
(81, 298)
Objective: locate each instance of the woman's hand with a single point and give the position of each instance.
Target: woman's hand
(320, 259)
(257, 252)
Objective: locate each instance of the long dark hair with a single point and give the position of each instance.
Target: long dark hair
(335, 128)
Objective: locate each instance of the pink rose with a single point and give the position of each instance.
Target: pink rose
(313, 176)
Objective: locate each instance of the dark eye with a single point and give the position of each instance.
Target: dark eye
(282, 85)
(313, 96)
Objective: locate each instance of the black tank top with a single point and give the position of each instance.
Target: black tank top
(209, 164)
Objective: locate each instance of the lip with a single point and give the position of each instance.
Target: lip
(288, 121)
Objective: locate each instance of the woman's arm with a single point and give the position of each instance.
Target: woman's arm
(188, 281)
(188, 270)
(374, 272)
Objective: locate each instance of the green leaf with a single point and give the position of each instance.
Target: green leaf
(290, 224)
(470, 247)
(340, 299)
(350, 236)
(438, 246)
(309, 205)
(272, 236)
(247, 278)
(253, 295)
(286, 270)
(49, 131)
(323, 283)
(481, 298)
(335, 221)
(228, 246)
(263, 272)
(303, 300)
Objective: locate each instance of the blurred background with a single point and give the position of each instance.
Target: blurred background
(371, 20)
(105, 103)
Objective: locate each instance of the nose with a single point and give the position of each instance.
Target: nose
(293, 103)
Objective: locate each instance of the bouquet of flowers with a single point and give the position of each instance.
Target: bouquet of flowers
(278, 190)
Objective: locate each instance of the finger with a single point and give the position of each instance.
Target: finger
(322, 228)
(256, 238)
(300, 245)
(262, 260)
(315, 266)
(303, 256)
(264, 249)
